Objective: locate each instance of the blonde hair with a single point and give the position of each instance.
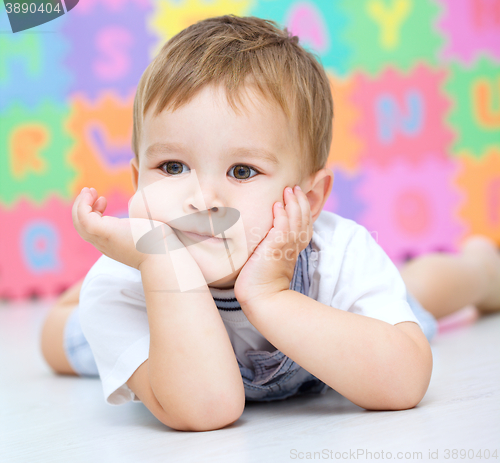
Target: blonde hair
(227, 50)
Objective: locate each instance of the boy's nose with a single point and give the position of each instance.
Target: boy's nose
(210, 202)
(213, 206)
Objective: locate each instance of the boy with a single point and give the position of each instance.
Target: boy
(229, 297)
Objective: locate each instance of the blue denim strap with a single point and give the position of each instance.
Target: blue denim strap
(268, 366)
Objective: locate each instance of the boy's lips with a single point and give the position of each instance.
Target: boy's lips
(199, 238)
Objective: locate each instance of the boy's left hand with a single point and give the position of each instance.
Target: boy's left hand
(269, 270)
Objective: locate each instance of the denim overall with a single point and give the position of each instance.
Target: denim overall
(275, 376)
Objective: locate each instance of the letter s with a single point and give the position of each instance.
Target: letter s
(113, 43)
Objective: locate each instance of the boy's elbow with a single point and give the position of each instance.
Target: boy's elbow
(206, 412)
(211, 418)
(197, 412)
(417, 369)
(414, 389)
(409, 380)
(409, 397)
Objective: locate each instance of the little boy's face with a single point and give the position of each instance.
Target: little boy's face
(225, 151)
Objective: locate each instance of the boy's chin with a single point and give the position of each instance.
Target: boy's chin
(221, 285)
(219, 280)
(219, 267)
(226, 282)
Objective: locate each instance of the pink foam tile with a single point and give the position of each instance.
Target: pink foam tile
(471, 28)
(41, 252)
(413, 209)
(402, 116)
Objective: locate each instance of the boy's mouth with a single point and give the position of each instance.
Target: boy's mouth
(198, 238)
(210, 227)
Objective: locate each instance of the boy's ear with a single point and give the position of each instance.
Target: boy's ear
(319, 190)
(134, 167)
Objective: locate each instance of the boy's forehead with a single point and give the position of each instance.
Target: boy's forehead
(250, 103)
(253, 104)
(249, 99)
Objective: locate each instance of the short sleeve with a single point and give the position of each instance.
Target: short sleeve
(114, 321)
(369, 283)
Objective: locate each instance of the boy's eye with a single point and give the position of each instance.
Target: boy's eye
(173, 167)
(242, 172)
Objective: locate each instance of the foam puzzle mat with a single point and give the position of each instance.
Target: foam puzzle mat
(416, 148)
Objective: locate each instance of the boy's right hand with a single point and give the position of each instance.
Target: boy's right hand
(113, 236)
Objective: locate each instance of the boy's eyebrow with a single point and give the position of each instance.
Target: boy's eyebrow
(166, 148)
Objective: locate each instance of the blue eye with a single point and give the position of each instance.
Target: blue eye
(243, 170)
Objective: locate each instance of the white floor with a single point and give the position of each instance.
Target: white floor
(45, 417)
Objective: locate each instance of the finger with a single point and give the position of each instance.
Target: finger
(281, 222)
(294, 212)
(84, 207)
(94, 194)
(306, 232)
(100, 205)
(73, 211)
(305, 207)
(76, 208)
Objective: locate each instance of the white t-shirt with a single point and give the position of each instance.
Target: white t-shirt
(349, 271)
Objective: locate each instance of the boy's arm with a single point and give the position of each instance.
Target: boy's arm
(374, 364)
(193, 371)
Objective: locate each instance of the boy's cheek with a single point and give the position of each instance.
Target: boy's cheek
(255, 234)
(136, 207)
